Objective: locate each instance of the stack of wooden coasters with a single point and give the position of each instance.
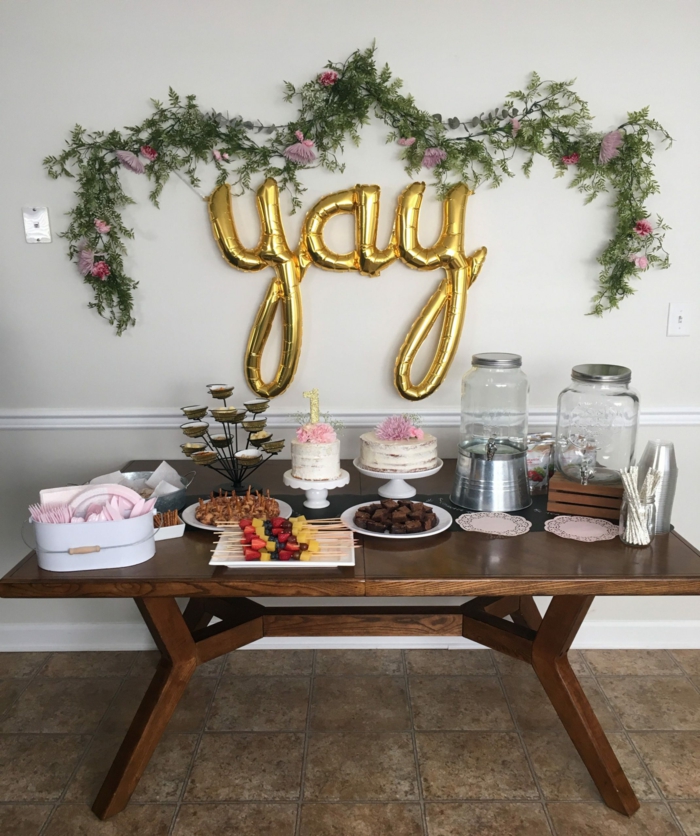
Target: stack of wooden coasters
(566, 497)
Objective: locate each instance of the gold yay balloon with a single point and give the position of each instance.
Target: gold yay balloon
(451, 296)
(447, 253)
(312, 248)
(284, 289)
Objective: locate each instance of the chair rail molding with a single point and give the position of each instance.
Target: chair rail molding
(169, 418)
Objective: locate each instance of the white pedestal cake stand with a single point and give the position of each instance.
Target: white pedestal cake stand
(316, 492)
(398, 487)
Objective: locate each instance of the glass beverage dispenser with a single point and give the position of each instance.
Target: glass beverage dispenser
(597, 419)
(492, 462)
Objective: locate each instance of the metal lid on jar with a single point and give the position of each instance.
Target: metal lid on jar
(497, 360)
(601, 373)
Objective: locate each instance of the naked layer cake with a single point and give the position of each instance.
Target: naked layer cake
(316, 453)
(398, 446)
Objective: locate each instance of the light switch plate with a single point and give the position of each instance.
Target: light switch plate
(37, 229)
(678, 320)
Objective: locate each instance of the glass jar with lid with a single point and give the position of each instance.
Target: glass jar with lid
(597, 418)
(492, 462)
(494, 402)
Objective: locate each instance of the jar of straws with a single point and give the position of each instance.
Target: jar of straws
(638, 512)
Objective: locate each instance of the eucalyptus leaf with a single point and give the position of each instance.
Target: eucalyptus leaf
(454, 123)
(437, 117)
(248, 125)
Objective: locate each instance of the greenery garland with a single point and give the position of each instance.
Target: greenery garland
(546, 118)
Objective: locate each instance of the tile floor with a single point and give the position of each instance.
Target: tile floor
(349, 743)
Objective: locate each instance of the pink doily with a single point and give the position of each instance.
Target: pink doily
(493, 522)
(583, 529)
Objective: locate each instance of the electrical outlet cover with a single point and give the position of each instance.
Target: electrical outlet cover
(37, 229)
(678, 320)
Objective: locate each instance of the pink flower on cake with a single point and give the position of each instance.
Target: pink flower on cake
(433, 157)
(610, 147)
(100, 270)
(86, 258)
(571, 159)
(149, 152)
(328, 78)
(316, 434)
(301, 152)
(643, 228)
(130, 161)
(102, 227)
(407, 141)
(640, 261)
(398, 428)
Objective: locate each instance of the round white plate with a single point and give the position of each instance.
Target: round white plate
(93, 493)
(494, 522)
(188, 515)
(444, 522)
(584, 529)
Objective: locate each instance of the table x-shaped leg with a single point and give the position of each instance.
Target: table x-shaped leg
(544, 643)
(185, 641)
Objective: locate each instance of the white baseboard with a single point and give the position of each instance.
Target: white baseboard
(134, 636)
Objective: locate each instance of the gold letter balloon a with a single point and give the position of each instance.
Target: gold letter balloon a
(450, 297)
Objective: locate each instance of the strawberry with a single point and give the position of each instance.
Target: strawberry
(283, 536)
(285, 554)
(251, 554)
(245, 523)
(257, 543)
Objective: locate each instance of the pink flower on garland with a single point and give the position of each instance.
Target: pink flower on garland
(328, 78)
(643, 228)
(86, 259)
(216, 154)
(130, 161)
(407, 141)
(515, 126)
(102, 227)
(398, 428)
(610, 147)
(571, 159)
(149, 152)
(433, 157)
(316, 434)
(100, 270)
(301, 152)
(640, 261)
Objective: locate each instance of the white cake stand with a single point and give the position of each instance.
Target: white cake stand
(397, 488)
(316, 492)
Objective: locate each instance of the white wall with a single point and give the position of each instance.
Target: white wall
(98, 63)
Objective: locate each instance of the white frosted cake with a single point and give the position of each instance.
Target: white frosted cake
(316, 453)
(397, 446)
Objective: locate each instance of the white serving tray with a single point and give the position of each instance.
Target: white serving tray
(316, 562)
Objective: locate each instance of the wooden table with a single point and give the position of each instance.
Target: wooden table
(502, 573)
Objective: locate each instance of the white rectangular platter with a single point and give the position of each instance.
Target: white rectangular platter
(232, 557)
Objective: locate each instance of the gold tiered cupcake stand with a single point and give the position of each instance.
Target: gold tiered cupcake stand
(245, 443)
